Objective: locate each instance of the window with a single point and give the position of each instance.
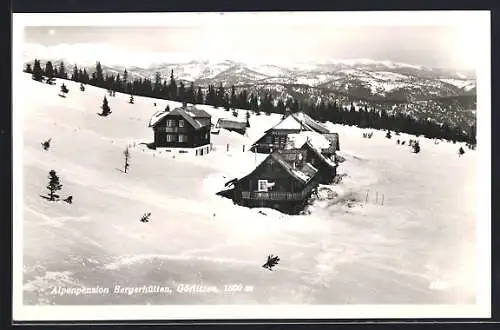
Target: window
(262, 185)
(170, 123)
(206, 136)
(170, 138)
(181, 123)
(182, 138)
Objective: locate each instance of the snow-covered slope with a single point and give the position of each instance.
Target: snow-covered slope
(351, 249)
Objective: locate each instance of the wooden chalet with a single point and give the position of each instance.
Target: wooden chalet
(276, 138)
(285, 179)
(185, 127)
(277, 183)
(232, 125)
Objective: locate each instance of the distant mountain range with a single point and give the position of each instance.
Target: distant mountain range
(441, 95)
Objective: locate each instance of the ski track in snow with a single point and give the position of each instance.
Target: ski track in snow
(364, 253)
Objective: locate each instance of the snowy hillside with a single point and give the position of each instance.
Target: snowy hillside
(415, 247)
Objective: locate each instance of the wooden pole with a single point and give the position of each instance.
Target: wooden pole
(376, 198)
(366, 199)
(383, 199)
(227, 148)
(243, 148)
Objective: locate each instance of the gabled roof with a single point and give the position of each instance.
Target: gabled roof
(303, 174)
(305, 119)
(327, 161)
(190, 114)
(300, 121)
(295, 172)
(195, 113)
(317, 140)
(291, 123)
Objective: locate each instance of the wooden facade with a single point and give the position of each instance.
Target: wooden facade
(277, 183)
(232, 125)
(182, 128)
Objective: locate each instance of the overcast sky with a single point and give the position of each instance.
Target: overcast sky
(431, 46)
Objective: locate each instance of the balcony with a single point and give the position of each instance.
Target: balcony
(278, 196)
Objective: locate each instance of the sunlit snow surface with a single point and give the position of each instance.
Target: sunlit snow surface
(416, 248)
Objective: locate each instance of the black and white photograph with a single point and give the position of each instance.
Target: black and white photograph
(225, 165)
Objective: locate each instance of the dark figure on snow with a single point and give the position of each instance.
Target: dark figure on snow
(388, 134)
(46, 144)
(64, 89)
(271, 262)
(461, 151)
(416, 147)
(145, 217)
(398, 141)
(69, 200)
(82, 88)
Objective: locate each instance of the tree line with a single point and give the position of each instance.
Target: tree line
(229, 98)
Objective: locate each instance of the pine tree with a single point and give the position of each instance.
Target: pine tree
(126, 154)
(37, 71)
(191, 94)
(28, 68)
(221, 96)
(106, 110)
(125, 77)
(53, 186)
(131, 100)
(64, 89)
(199, 96)
(76, 74)
(172, 87)
(157, 86)
(98, 75)
(182, 92)
(62, 71)
(233, 101)
(49, 70)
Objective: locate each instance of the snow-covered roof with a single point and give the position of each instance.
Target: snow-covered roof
(300, 121)
(157, 117)
(313, 124)
(317, 140)
(305, 173)
(320, 154)
(190, 114)
(291, 123)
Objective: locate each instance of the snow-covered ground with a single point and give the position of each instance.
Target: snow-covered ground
(417, 247)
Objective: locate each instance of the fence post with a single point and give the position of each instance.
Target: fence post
(227, 147)
(366, 199)
(383, 199)
(243, 148)
(376, 198)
